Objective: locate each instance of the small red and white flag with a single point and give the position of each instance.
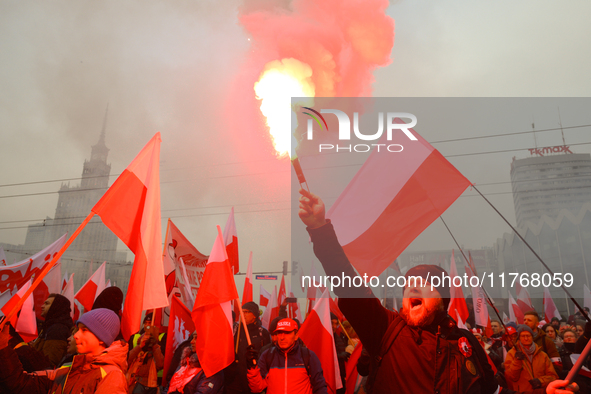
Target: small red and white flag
(92, 288)
(68, 292)
(316, 333)
(461, 323)
(247, 292)
(351, 368)
(186, 292)
(377, 215)
(264, 297)
(231, 242)
(457, 300)
(515, 313)
(550, 309)
(180, 328)
(25, 323)
(64, 281)
(282, 292)
(2, 257)
(212, 312)
(131, 209)
(523, 298)
(272, 309)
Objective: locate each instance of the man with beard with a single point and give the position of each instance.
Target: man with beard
(419, 350)
(53, 338)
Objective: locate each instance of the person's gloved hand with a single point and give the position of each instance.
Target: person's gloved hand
(251, 357)
(520, 355)
(535, 383)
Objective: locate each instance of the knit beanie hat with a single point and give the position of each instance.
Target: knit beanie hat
(523, 327)
(253, 307)
(427, 271)
(103, 323)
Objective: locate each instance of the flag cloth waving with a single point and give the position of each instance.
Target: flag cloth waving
(378, 216)
(316, 333)
(212, 312)
(131, 209)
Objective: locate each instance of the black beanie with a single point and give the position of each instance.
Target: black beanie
(427, 271)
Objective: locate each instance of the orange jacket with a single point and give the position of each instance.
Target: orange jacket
(519, 372)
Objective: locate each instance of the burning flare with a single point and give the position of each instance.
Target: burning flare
(279, 82)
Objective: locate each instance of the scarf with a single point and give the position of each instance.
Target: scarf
(529, 351)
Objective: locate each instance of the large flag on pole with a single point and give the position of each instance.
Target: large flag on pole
(316, 333)
(457, 300)
(378, 216)
(212, 313)
(92, 288)
(231, 242)
(550, 309)
(247, 292)
(131, 209)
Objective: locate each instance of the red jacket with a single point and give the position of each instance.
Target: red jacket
(103, 374)
(282, 373)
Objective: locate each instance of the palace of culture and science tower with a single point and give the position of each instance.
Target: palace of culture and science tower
(96, 243)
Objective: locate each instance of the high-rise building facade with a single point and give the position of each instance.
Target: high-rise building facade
(552, 197)
(96, 243)
(545, 185)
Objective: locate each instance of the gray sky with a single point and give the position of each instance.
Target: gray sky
(173, 67)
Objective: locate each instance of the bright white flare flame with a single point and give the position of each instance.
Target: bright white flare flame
(279, 82)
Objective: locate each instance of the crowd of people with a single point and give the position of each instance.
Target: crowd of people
(419, 349)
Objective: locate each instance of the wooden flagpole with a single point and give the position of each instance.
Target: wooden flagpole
(45, 270)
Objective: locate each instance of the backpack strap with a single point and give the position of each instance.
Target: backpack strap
(305, 352)
(387, 341)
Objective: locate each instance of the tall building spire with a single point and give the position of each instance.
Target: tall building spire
(102, 137)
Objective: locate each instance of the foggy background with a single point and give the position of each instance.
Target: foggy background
(181, 68)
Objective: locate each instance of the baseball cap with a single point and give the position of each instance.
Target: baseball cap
(286, 325)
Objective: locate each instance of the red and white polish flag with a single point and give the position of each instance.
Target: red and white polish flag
(231, 242)
(523, 297)
(282, 292)
(247, 292)
(92, 288)
(212, 312)
(272, 309)
(264, 297)
(316, 333)
(550, 309)
(68, 292)
(515, 313)
(131, 209)
(457, 300)
(26, 323)
(391, 200)
(180, 328)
